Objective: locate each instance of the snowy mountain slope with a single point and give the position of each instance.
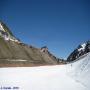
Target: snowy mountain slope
(73, 76)
(80, 70)
(39, 78)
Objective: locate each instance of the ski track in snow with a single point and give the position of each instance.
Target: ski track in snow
(74, 76)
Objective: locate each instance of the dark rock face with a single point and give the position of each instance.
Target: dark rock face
(87, 47)
(79, 51)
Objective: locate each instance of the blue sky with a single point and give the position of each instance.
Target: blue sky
(59, 24)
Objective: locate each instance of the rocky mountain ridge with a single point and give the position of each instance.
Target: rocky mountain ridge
(79, 51)
(13, 52)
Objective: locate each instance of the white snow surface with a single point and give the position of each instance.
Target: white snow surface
(1, 27)
(83, 47)
(80, 70)
(15, 60)
(74, 76)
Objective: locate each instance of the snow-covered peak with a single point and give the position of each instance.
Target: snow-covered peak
(82, 47)
(6, 34)
(79, 51)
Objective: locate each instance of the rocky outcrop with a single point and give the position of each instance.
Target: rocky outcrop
(79, 51)
(46, 51)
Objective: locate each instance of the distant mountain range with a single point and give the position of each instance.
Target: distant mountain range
(13, 52)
